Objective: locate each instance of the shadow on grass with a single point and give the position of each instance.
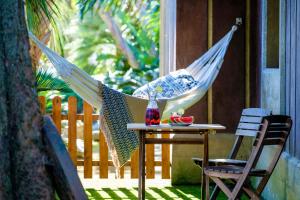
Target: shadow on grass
(112, 193)
(161, 192)
(168, 193)
(93, 193)
(129, 193)
(188, 192)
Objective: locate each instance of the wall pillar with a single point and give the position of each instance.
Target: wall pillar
(167, 37)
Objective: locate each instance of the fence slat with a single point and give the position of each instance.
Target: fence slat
(72, 128)
(42, 101)
(88, 117)
(122, 172)
(96, 163)
(165, 166)
(150, 170)
(88, 138)
(134, 165)
(80, 117)
(56, 112)
(103, 165)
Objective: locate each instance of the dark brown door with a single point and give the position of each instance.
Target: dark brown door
(202, 22)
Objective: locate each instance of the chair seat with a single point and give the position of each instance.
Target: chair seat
(216, 162)
(231, 171)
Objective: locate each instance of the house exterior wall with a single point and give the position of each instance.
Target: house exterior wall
(192, 39)
(284, 183)
(284, 97)
(270, 89)
(279, 91)
(201, 23)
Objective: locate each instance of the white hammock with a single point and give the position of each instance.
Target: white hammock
(203, 71)
(181, 89)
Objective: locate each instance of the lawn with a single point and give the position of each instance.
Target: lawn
(175, 192)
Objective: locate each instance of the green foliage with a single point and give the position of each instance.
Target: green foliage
(89, 44)
(46, 81)
(90, 47)
(42, 15)
(38, 11)
(84, 6)
(49, 85)
(93, 48)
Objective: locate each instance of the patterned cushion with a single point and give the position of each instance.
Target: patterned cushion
(172, 85)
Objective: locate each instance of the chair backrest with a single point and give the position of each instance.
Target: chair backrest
(249, 125)
(250, 121)
(274, 131)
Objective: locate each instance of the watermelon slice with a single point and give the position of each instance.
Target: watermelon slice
(178, 120)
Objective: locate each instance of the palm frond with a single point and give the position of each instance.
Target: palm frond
(45, 16)
(40, 11)
(49, 85)
(47, 81)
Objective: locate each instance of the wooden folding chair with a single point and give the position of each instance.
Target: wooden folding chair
(273, 131)
(250, 120)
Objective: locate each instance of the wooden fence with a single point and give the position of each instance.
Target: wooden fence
(102, 162)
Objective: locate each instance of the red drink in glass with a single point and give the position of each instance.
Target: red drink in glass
(152, 116)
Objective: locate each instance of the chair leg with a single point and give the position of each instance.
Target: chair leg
(215, 193)
(222, 186)
(251, 194)
(207, 188)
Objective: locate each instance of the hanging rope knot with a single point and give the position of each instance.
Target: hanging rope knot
(234, 28)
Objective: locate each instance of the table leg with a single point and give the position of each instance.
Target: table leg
(142, 166)
(204, 189)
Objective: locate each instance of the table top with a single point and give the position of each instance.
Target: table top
(167, 127)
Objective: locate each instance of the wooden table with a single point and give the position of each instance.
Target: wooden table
(142, 129)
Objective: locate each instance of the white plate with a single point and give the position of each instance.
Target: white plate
(180, 124)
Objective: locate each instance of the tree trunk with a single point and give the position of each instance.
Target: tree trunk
(28, 175)
(5, 183)
(117, 35)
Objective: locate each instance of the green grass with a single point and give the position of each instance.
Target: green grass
(190, 192)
